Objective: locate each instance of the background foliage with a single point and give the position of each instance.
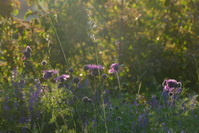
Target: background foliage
(152, 39)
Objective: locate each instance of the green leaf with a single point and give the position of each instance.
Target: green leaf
(115, 7)
(15, 12)
(28, 13)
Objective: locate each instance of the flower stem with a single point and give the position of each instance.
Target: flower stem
(119, 85)
(104, 112)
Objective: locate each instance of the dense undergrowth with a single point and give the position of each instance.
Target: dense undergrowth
(63, 102)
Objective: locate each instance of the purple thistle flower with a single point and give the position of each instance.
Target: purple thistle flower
(27, 53)
(62, 78)
(49, 73)
(85, 67)
(171, 84)
(114, 68)
(171, 89)
(94, 69)
(93, 66)
(28, 49)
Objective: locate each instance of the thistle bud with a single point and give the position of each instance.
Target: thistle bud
(118, 118)
(86, 68)
(104, 76)
(116, 108)
(85, 99)
(28, 49)
(76, 80)
(71, 70)
(44, 63)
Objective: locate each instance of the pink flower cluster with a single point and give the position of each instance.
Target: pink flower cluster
(171, 84)
(114, 68)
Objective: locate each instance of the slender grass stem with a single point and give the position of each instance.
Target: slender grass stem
(42, 125)
(56, 34)
(39, 128)
(96, 55)
(60, 44)
(75, 113)
(97, 60)
(74, 122)
(104, 111)
(160, 99)
(89, 85)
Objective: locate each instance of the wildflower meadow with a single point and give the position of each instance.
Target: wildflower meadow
(99, 66)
